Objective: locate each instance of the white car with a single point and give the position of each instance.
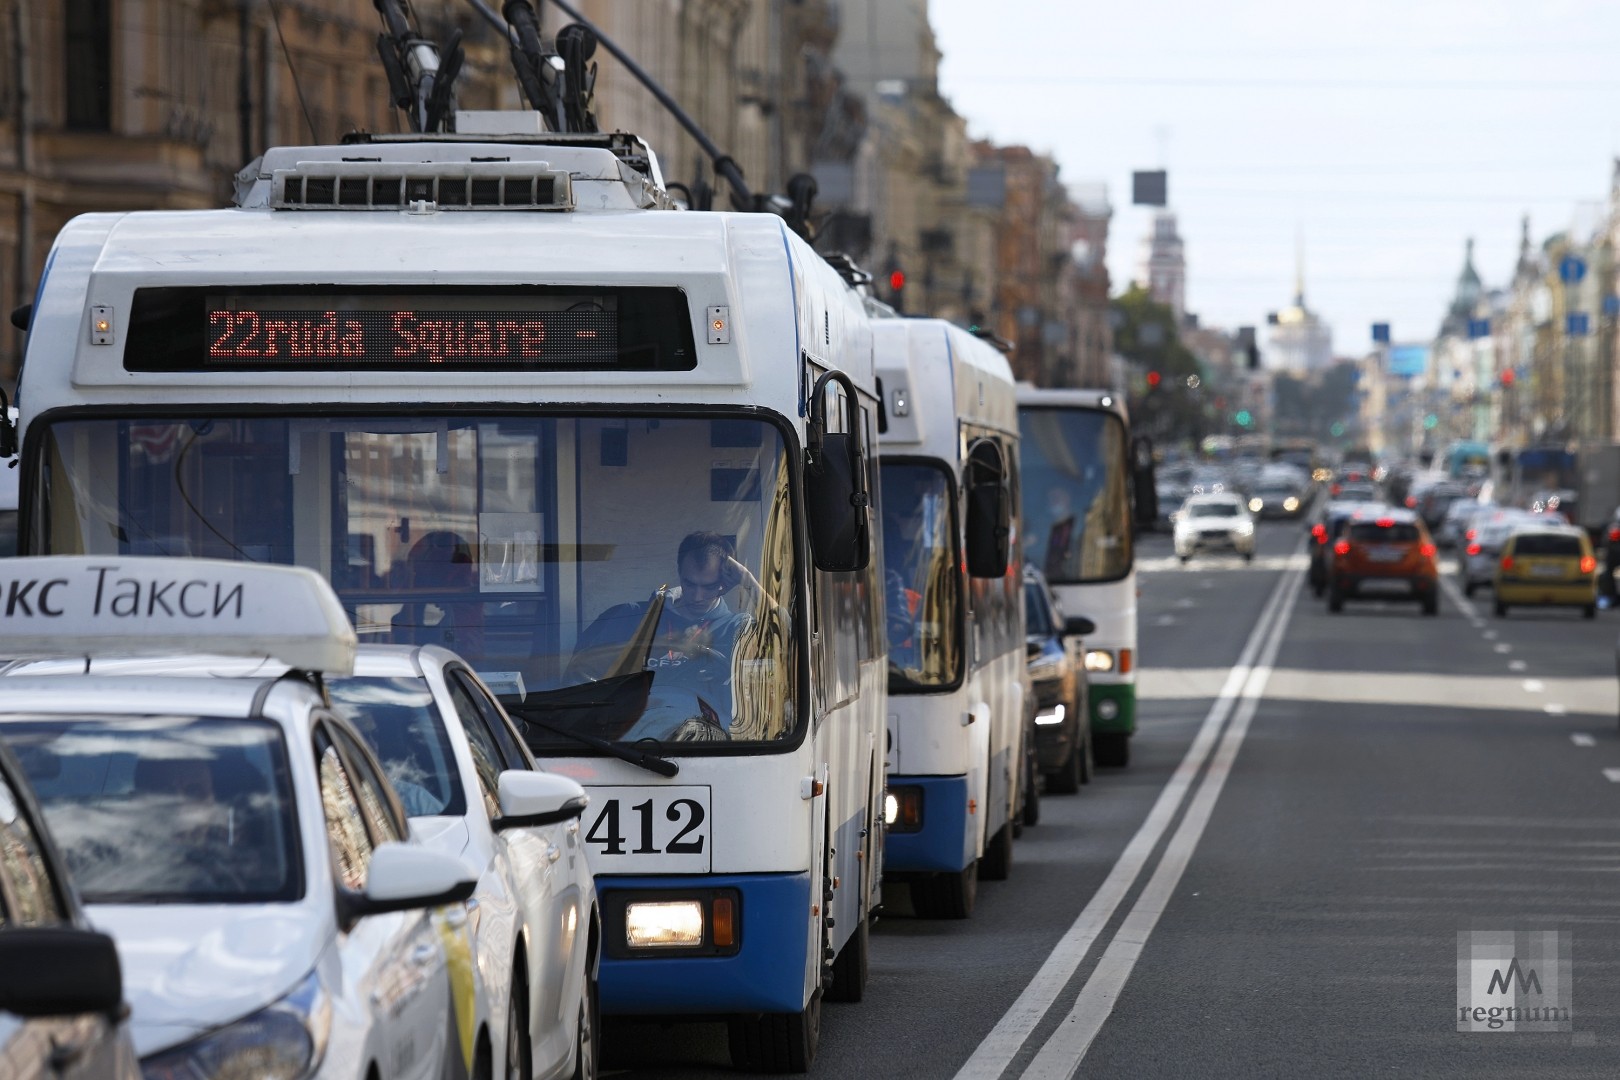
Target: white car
(464, 775)
(235, 836)
(1212, 522)
(60, 982)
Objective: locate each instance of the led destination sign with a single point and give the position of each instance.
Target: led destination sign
(365, 328)
(411, 336)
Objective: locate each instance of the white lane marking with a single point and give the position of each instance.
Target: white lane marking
(1612, 775)
(1581, 738)
(1223, 561)
(1517, 665)
(1503, 647)
(1186, 602)
(1534, 686)
(1490, 635)
(998, 1049)
(1594, 695)
(1165, 620)
(1552, 708)
(1461, 602)
(1060, 1058)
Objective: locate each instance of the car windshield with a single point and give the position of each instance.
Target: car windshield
(1213, 510)
(1546, 544)
(1036, 620)
(402, 723)
(166, 809)
(1372, 532)
(633, 578)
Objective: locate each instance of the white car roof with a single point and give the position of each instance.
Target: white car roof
(1214, 497)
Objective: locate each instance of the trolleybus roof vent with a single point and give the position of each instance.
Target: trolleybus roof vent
(450, 185)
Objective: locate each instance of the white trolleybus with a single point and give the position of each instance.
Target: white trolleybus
(509, 399)
(955, 611)
(1078, 479)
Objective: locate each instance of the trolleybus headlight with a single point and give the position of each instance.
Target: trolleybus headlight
(1107, 709)
(668, 924)
(1099, 660)
(903, 808)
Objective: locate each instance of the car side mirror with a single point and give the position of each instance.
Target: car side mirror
(1078, 626)
(59, 971)
(408, 877)
(530, 799)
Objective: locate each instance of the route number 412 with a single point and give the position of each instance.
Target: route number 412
(651, 828)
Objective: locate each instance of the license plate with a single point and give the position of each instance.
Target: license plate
(1547, 570)
(1384, 554)
(648, 829)
(1389, 586)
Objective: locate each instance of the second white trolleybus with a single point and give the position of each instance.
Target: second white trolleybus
(955, 603)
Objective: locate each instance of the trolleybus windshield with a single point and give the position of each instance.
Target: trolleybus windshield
(628, 578)
(1077, 511)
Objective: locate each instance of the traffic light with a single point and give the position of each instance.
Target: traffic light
(897, 287)
(1153, 380)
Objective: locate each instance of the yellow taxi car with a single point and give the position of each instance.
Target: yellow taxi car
(1547, 566)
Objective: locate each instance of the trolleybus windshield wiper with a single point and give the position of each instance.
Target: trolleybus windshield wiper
(650, 762)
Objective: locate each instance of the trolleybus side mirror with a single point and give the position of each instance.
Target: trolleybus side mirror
(836, 497)
(1078, 626)
(988, 518)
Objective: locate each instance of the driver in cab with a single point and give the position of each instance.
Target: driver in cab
(697, 630)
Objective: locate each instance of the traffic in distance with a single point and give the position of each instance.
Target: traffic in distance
(467, 610)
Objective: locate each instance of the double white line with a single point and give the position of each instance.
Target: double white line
(1062, 1053)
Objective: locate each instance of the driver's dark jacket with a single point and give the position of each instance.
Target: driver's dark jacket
(717, 629)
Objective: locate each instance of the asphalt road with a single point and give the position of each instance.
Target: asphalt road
(1317, 805)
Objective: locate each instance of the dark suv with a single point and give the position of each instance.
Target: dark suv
(1062, 726)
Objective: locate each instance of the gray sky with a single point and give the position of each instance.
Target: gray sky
(1386, 131)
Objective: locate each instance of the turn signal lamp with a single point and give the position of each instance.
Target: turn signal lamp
(1588, 564)
(723, 930)
(1124, 661)
(1342, 548)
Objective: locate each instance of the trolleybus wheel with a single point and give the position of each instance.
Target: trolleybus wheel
(946, 896)
(998, 855)
(776, 1042)
(1113, 749)
(850, 969)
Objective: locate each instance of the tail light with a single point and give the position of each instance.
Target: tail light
(1411, 501)
(1614, 534)
(1385, 523)
(1319, 533)
(1474, 549)
(1471, 533)
(1342, 548)
(1507, 562)
(1427, 551)
(1588, 564)
(1336, 489)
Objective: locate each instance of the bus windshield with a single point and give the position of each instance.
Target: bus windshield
(923, 588)
(1077, 512)
(627, 578)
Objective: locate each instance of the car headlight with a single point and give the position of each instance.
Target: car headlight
(1099, 660)
(1054, 715)
(1256, 504)
(1244, 528)
(284, 1040)
(1290, 504)
(1045, 668)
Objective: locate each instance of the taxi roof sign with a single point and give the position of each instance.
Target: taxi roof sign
(131, 605)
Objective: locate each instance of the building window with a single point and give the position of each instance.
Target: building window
(89, 65)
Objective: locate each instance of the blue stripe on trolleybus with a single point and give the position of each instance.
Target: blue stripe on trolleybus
(765, 975)
(944, 842)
